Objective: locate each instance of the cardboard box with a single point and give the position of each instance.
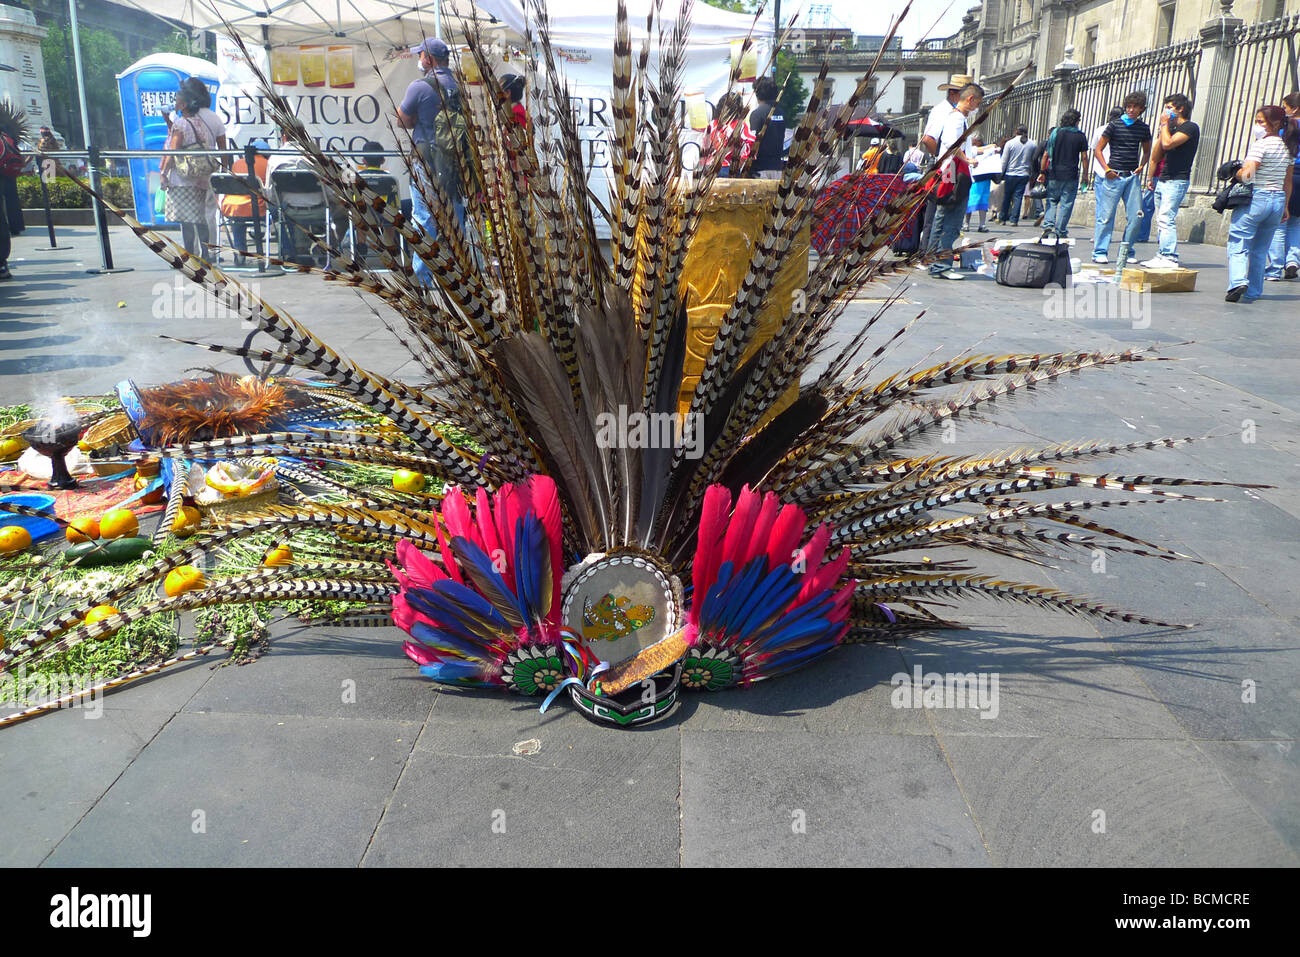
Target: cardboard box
(1158, 280)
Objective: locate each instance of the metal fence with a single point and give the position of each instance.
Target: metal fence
(1029, 104)
(1157, 73)
(1264, 70)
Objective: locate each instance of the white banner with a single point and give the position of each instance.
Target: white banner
(334, 90)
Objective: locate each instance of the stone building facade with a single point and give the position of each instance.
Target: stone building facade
(1001, 37)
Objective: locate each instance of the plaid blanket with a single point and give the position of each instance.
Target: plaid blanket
(846, 203)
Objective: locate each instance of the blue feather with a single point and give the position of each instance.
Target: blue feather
(460, 609)
(708, 612)
(532, 552)
(452, 671)
(770, 599)
(444, 641)
(477, 566)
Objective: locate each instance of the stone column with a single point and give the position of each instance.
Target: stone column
(23, 83)
(1210, 99)
(1063, 84)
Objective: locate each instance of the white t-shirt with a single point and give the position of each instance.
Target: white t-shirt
(954, 125)
(934, 122)
(1097, 169)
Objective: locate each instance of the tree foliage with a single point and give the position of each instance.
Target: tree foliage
(794, 92)
(102, 58)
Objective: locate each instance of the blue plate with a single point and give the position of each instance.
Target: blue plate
(37, 528)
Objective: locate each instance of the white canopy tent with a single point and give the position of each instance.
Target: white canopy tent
(391, 27)
(398, 23)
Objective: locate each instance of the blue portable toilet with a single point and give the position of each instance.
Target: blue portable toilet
(147, 89)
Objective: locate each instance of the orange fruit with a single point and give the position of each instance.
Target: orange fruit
(99, 613)
(404, 480)
(279, 556)
(82, 529)
(13, 539)
(183, 579)
(187, 521)
(119, 523)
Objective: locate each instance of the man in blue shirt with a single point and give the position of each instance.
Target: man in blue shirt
(417, 113)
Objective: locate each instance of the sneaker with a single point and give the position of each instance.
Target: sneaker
(1272, 278)
(1292, 270)
(1160, 262)
(951, 274)
(1131, 260)
(982, 229)
(1234, 294)
(1100, 260)
(5, 274)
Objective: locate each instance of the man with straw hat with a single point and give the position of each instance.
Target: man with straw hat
(934, 131)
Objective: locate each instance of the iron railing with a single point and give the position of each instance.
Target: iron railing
(1264, 70)
(1157, 73)
(1029, 104)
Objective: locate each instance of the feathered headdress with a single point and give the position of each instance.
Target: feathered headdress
(13, 121)
(781, 518)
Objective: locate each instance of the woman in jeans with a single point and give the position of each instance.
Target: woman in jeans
(1284, 254)
(187, 198)
(1268, 168)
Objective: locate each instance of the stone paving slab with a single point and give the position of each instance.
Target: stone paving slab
(1143, 723)
(322, 672)
(272, 791)
(1200, 674)
(1035, 802)
(55, 768)
(583, 799)
(785, 799)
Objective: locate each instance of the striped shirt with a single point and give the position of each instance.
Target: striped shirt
(1274, 161)
(1125, 143)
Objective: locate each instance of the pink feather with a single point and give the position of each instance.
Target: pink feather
(455, 512)
(741, 528)
(823, 579)
(419, 653)
(763, 526)
(448, 558)
(708, 548)
(812, 556)
(786, 533)
(418, 566)
(492, 542)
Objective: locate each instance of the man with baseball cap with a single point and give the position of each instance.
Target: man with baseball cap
(425, 97)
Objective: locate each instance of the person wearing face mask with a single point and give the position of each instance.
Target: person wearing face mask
(1268, 168)
(1129, 140)
(1175, 146)
(1284, 253)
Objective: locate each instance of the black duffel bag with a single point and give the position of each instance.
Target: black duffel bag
(1035, 265)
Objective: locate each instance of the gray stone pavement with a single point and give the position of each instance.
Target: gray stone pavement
(1147, 727)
